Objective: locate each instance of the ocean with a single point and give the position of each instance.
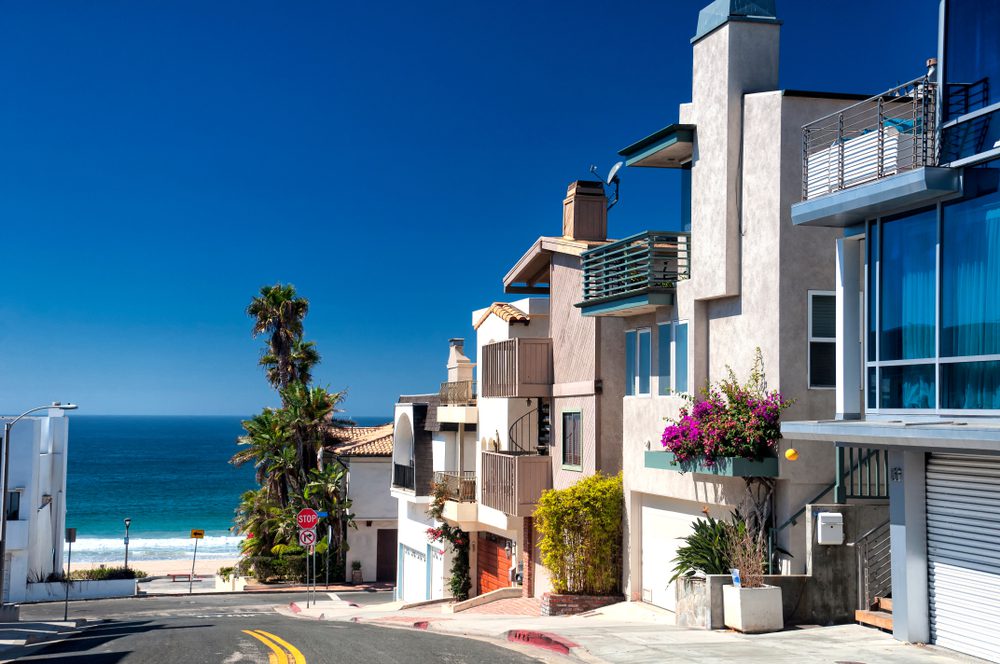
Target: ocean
(169, 474)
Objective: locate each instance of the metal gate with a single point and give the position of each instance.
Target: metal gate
(963, 553)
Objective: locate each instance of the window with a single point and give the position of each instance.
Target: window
(638, 361)
(571, 439)
(13, 505)
(822, 339)
(681, 357)
(972, 56)
(671, 361)
(934, 315)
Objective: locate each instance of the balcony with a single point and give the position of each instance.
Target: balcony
(461, 485)
(873, 157)
(513, 483)
(517, 368)
(403, 476)
(635, 275)
(458, 403)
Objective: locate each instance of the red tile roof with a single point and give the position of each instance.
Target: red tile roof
(373, 441)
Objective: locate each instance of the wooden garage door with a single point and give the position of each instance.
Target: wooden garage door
(493, 563)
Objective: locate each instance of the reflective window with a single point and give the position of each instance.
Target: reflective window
(908, 386)
(872, 242)
(663, 358)
(972, 56)
(975, 135)
(971, 385)
(822, 339)
(681, 357)
(645, 361)
(907, 284)
(630, 366)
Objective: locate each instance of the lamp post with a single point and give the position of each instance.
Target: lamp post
(6, 475)
(128, 522)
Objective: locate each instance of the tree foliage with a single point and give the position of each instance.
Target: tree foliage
(460, 581)
(581, 528)
(285, 446)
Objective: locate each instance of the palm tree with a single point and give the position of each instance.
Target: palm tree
(304, 357)
(307, 410)
(278, 312)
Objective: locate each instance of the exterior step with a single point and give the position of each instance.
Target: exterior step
(879, 619)
(884, 603)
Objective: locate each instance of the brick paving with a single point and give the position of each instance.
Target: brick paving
(517, 606)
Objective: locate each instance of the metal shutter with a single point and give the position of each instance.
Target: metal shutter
(963, 553)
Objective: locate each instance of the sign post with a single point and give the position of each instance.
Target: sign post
(195, 535)
(307, 540)
(70, 538)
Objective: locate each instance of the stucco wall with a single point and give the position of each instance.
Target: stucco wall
(363, 545)
(368, 484)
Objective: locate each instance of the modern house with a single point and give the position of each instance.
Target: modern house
(36, 502)
(434, 439)
(550, 387)
(910, 182)
(687, 305)
(366, 452)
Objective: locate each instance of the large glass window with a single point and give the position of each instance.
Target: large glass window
(822, 339)
(645, 361)
(971, 385)
(663, 358)
(908, 386)
(972, 56)
(908, 290)
(872, 242)
(630, 366)
(638, 362)
(681, 357)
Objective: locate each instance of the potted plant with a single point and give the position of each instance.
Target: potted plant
(748, 605)
(356, 577)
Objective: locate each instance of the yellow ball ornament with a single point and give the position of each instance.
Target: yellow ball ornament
(791, 454)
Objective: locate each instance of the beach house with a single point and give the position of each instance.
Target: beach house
(909, 181)
(690, 304)
(35, 503)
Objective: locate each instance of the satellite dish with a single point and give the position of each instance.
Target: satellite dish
(613, 175)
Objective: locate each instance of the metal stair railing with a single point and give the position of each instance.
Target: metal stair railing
(874, 565)
(520, 433)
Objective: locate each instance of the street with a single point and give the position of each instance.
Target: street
(241, 628)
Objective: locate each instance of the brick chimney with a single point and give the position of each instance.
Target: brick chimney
(459, 366)
(585, 211)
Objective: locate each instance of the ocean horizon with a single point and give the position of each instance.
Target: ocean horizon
(168, 473)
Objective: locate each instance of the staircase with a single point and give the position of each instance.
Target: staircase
(875, 578)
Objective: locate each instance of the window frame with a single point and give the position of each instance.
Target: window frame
(633, 381)
(568, 465)
(811, 339)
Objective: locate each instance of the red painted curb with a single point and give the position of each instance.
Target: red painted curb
(294, 608)
(544, 640)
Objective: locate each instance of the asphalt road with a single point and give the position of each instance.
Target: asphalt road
(230, 629)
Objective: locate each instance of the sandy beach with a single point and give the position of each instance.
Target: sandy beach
(163, 567)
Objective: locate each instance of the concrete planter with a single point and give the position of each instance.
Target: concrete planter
(234, 584)
(724, 467)
(48, 592)
(753, 610)
(356, 577)
(554, 604)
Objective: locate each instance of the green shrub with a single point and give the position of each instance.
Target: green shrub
(226, 572)
(581, 529)
(103, 573)
(706, 549)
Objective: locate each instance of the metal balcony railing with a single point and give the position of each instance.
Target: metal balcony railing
(403, 476)
(652, 261)
(887, 134)
(461, 485)
(458, 393)
(517, 368)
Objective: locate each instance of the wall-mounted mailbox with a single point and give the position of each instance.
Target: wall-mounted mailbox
(830, 528)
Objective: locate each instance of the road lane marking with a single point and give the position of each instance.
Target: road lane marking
(296, 655)
(276, 655)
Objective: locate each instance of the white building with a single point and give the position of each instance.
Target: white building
(367, 454)
(36, 501)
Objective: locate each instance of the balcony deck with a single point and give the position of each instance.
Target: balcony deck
(513, 483)
(636, 274)
(520, 367)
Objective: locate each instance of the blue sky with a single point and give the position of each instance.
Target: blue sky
(160, 161)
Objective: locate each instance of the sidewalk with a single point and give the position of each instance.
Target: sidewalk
(634, 633)
(205, 584)
(13, 636)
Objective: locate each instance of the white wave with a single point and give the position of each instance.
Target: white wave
(88, 549)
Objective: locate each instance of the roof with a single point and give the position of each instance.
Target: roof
(670, 147)
(530, 275)
(505, 312)
(373, 441)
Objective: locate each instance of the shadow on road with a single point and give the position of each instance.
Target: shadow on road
(75, 649)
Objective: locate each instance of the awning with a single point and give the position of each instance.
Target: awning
(930, 434)
(671, 147)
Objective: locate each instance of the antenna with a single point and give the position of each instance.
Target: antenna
(612, 179)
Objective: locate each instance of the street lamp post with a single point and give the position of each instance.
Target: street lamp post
(6, 475)
(128, 522)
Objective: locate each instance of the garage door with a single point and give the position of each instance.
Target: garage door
(494, 563)
(437, 572)
(414, 578)
(963, 553)
(664, 523)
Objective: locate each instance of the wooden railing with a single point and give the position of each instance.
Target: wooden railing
(514, 483)
(648, 262)
(461, 486)
(403, 476)
(458, 393)
(517, 368)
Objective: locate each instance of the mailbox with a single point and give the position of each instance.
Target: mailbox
(830, 528)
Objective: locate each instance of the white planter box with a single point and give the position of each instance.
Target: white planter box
(753, 610)
(234, 584)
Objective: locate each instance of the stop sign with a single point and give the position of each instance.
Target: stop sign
(307, 518)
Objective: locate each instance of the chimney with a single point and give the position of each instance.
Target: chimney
(459, 366)
(585, 211)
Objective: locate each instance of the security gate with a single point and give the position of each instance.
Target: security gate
(963, 553)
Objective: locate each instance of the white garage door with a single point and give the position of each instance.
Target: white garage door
(437, 573)
(414, 579)
(664, 523)
(963, 553)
